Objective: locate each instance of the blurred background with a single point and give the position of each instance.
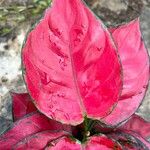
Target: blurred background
(17, 17)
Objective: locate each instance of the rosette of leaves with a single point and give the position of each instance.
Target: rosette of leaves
(85, 83)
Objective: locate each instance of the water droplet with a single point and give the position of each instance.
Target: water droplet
(145, 86)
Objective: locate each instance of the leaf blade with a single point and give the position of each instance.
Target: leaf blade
(135, 63)
(28, 125)
(102, 142)
(22, 105)
(65, 64)
(135, 123)
(38, 140)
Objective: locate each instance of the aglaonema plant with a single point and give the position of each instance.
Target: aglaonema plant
(84, 82)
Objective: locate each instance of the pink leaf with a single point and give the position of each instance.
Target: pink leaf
(138, 125)
(22, 105)
(130, 140)
(61, 141)
(71, 66)
(38, 141)
(144, 141)
(64, 143)
(102, 128)
(135, 62)
(102, 143)
(26, 126)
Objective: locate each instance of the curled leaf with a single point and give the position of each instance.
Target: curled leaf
(30, 124)
(130, 140)
(38, 141)
(22, 105)
(135, 63)
(102, 143)
(71, 66)
(140, 138)
(64, 143)
(138, 125)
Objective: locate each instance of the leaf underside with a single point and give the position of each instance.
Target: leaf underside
(38, 141)
(35, 131)
(22, 105)
(100, 142)
(138, 125)
(130, 140)
(135, 63)
(30, 124)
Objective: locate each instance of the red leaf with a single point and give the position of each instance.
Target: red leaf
(144, 141)
(38, 141)
(138, 125)
(102, 128)
(130, 140)
(22, 105)
(135, 62)
(71, 66)
(102, 143)
(26, 126)
(64, 143)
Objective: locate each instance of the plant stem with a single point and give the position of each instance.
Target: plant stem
(88, 125)
(85, 129)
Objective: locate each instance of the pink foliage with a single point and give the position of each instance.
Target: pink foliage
(74, 76)
(71, 67)
(138, 125)
(22, 105)
(136, 69)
